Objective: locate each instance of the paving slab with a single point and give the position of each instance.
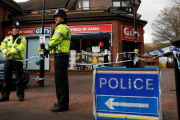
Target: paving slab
(39, 100)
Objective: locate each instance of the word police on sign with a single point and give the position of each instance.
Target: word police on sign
(120, 10)
(120, 83)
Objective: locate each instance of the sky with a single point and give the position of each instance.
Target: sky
(149, 9)
(20, 0)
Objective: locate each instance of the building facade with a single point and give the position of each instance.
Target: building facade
(97, 36)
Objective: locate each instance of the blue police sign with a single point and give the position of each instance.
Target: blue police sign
(127, 92)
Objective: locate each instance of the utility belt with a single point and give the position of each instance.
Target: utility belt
(60, 54)
(14, 59)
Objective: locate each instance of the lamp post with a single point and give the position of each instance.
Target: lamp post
(177, 78)
(135, 25)
(42, 45)
(135, 30)
(130, 9)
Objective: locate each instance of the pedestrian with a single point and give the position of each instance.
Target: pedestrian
(13, 48)
(60, 44)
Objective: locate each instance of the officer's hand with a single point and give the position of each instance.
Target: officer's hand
(8, 54)
(46, 52)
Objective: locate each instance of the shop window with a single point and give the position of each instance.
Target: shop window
(124, 3)
(84, 4)
(86, 44)
(116, 4)
(11, 15)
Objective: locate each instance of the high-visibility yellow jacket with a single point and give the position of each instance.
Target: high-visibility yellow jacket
(17, 48)
(61, 40)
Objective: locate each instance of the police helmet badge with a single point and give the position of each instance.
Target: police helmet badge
(17, 23)
(56, 11)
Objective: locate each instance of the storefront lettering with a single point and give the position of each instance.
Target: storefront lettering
(39, 31)
(27, 31)
(93, 28)
(10, 32)
(75, 29)
(129, 32)
(84, 29)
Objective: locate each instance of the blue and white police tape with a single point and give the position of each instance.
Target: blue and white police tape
(156, 53)
(33, 61)
(162, 51)
(36, 55)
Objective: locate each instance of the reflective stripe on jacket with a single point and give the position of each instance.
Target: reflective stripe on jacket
(61, 40)
(17, 48)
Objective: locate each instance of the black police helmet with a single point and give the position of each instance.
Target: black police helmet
(16, 25)
(62, 13)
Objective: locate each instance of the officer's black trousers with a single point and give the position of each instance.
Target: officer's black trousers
(9, 66)
(61, 80)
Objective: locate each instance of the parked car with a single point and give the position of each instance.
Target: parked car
(25, 76)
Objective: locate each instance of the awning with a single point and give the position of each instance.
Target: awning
(89, 34)
(93, 34)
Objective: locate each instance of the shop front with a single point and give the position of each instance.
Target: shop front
(90, 44)
(127, 36)
(96, 38)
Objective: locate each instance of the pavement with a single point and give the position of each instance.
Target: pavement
(39, 100)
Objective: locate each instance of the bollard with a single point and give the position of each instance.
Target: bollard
(37, 81)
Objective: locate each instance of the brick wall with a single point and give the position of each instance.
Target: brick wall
(1, 19)
(100, 4)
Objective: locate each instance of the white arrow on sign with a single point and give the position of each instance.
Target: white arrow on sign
(110, 104)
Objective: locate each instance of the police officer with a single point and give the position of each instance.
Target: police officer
(13, 48)
(60, 44)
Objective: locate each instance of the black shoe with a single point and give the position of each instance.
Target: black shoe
(59, 109)
(4, 99)
(21, 99)
(56, 104)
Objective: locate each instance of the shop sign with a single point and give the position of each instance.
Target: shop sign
(23, 31)
(30, 31)
(91, 28)
(47, 30)
(128, 33)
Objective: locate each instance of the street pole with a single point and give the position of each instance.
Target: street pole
(135, 25)
(177, 78)
(42, 45)
(135, 29)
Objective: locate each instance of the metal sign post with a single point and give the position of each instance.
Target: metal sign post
(128, 10)
(42, 45)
